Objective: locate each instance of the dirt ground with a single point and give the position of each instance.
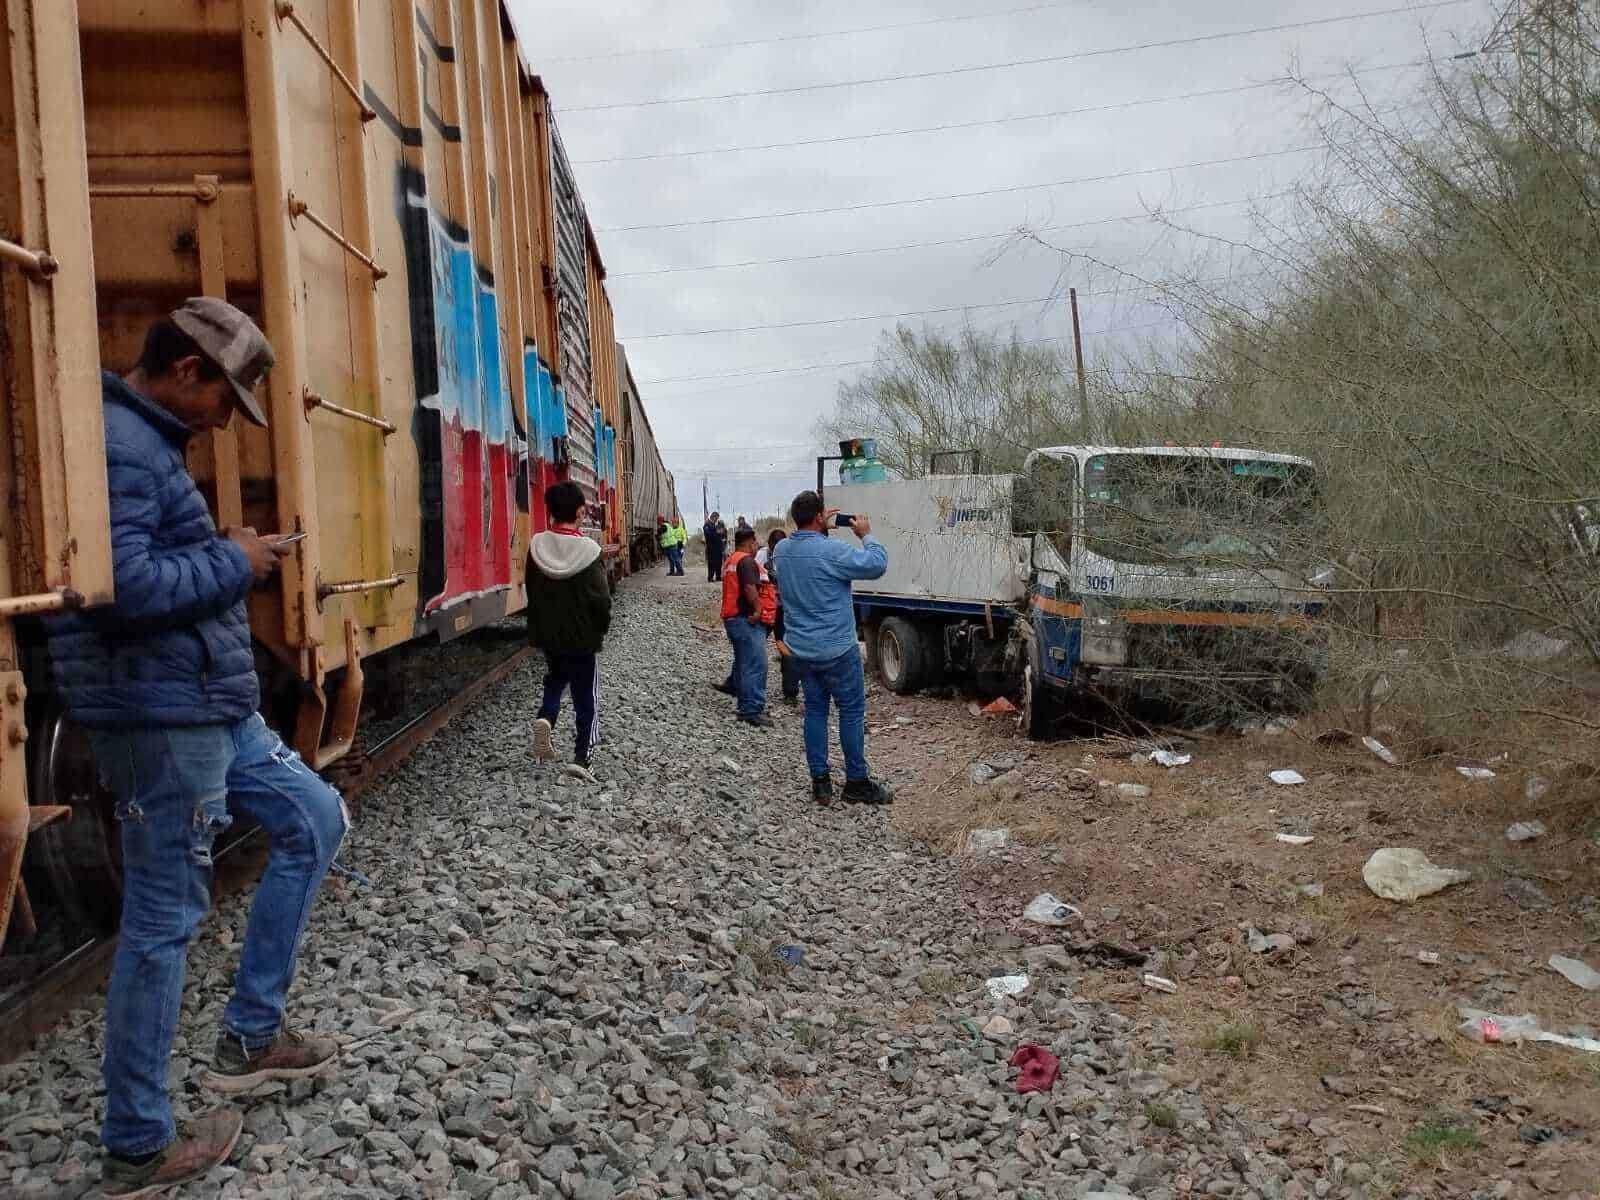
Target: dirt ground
(1346, 1042)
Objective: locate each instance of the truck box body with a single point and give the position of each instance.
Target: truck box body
(949, 540)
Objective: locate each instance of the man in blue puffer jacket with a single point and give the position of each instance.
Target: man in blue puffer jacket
(164, 681)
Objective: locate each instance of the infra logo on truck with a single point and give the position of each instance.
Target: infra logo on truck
(958, 512)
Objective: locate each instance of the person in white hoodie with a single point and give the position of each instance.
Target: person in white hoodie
(569, 612)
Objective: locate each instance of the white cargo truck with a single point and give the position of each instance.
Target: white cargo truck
(1169, 571)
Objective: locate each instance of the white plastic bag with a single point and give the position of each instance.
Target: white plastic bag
(1403, 873)
(1002, 986)
(1490, 1027)
(987, 841)
(1045, 909)
(1382, 751)
(1576, 971)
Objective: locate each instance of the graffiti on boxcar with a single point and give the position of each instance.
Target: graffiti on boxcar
(546, 459)
(473, 453)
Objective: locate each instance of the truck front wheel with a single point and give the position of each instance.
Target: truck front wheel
(902, 656)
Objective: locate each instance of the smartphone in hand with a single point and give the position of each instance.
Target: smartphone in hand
(842, 520)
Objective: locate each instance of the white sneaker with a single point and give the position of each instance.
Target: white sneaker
(543, 748)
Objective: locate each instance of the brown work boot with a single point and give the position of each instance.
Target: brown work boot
(200, 1145)
(291, 1056)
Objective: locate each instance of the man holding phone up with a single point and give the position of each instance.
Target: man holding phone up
(814, 575)
(164, 681)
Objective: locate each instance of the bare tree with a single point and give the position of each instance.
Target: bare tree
(979, 390)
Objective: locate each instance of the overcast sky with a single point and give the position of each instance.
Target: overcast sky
(754, 434)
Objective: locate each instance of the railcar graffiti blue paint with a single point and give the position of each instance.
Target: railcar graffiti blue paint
(472, 452)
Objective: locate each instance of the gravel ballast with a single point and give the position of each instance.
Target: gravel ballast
(558, 988)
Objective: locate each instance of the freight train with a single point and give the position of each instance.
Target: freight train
(652, 496)
(382, 187)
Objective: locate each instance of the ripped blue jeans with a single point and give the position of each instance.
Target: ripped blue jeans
(172, 787)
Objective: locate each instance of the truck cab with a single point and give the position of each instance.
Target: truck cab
(1180, 573)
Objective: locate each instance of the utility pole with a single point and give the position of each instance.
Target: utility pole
(705, 500)
(1083, 383)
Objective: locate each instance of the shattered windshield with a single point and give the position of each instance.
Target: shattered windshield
(1198, 509)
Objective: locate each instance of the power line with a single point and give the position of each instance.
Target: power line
(1076, 56)
(853, 362)
(696, 393)
(736, 449)
(1108, 371)
(920, 312)
(763, 367)
(809, 37)
(1042, 116)
(960, 241)
(1153, 285)
(767, 262)
(775, 474)
(1021, 187)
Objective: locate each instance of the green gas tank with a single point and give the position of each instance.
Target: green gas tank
(860, 462)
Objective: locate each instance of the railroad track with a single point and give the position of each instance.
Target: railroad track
(34, 1011)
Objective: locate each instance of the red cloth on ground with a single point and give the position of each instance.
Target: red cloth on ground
(1038, 1067)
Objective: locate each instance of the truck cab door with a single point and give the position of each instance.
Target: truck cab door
(1046, 502)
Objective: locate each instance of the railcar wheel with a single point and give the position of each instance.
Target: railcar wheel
(82, 858)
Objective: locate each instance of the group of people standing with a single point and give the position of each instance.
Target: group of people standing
(796, 589)
(752, 610)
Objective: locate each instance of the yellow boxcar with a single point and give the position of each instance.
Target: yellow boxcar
(381, 186)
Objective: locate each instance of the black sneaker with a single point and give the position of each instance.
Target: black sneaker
(727, 689)
(822, 789)
(866, 791)
(761, 721)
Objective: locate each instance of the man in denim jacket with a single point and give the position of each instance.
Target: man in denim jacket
(164, 681)
(814, 574)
